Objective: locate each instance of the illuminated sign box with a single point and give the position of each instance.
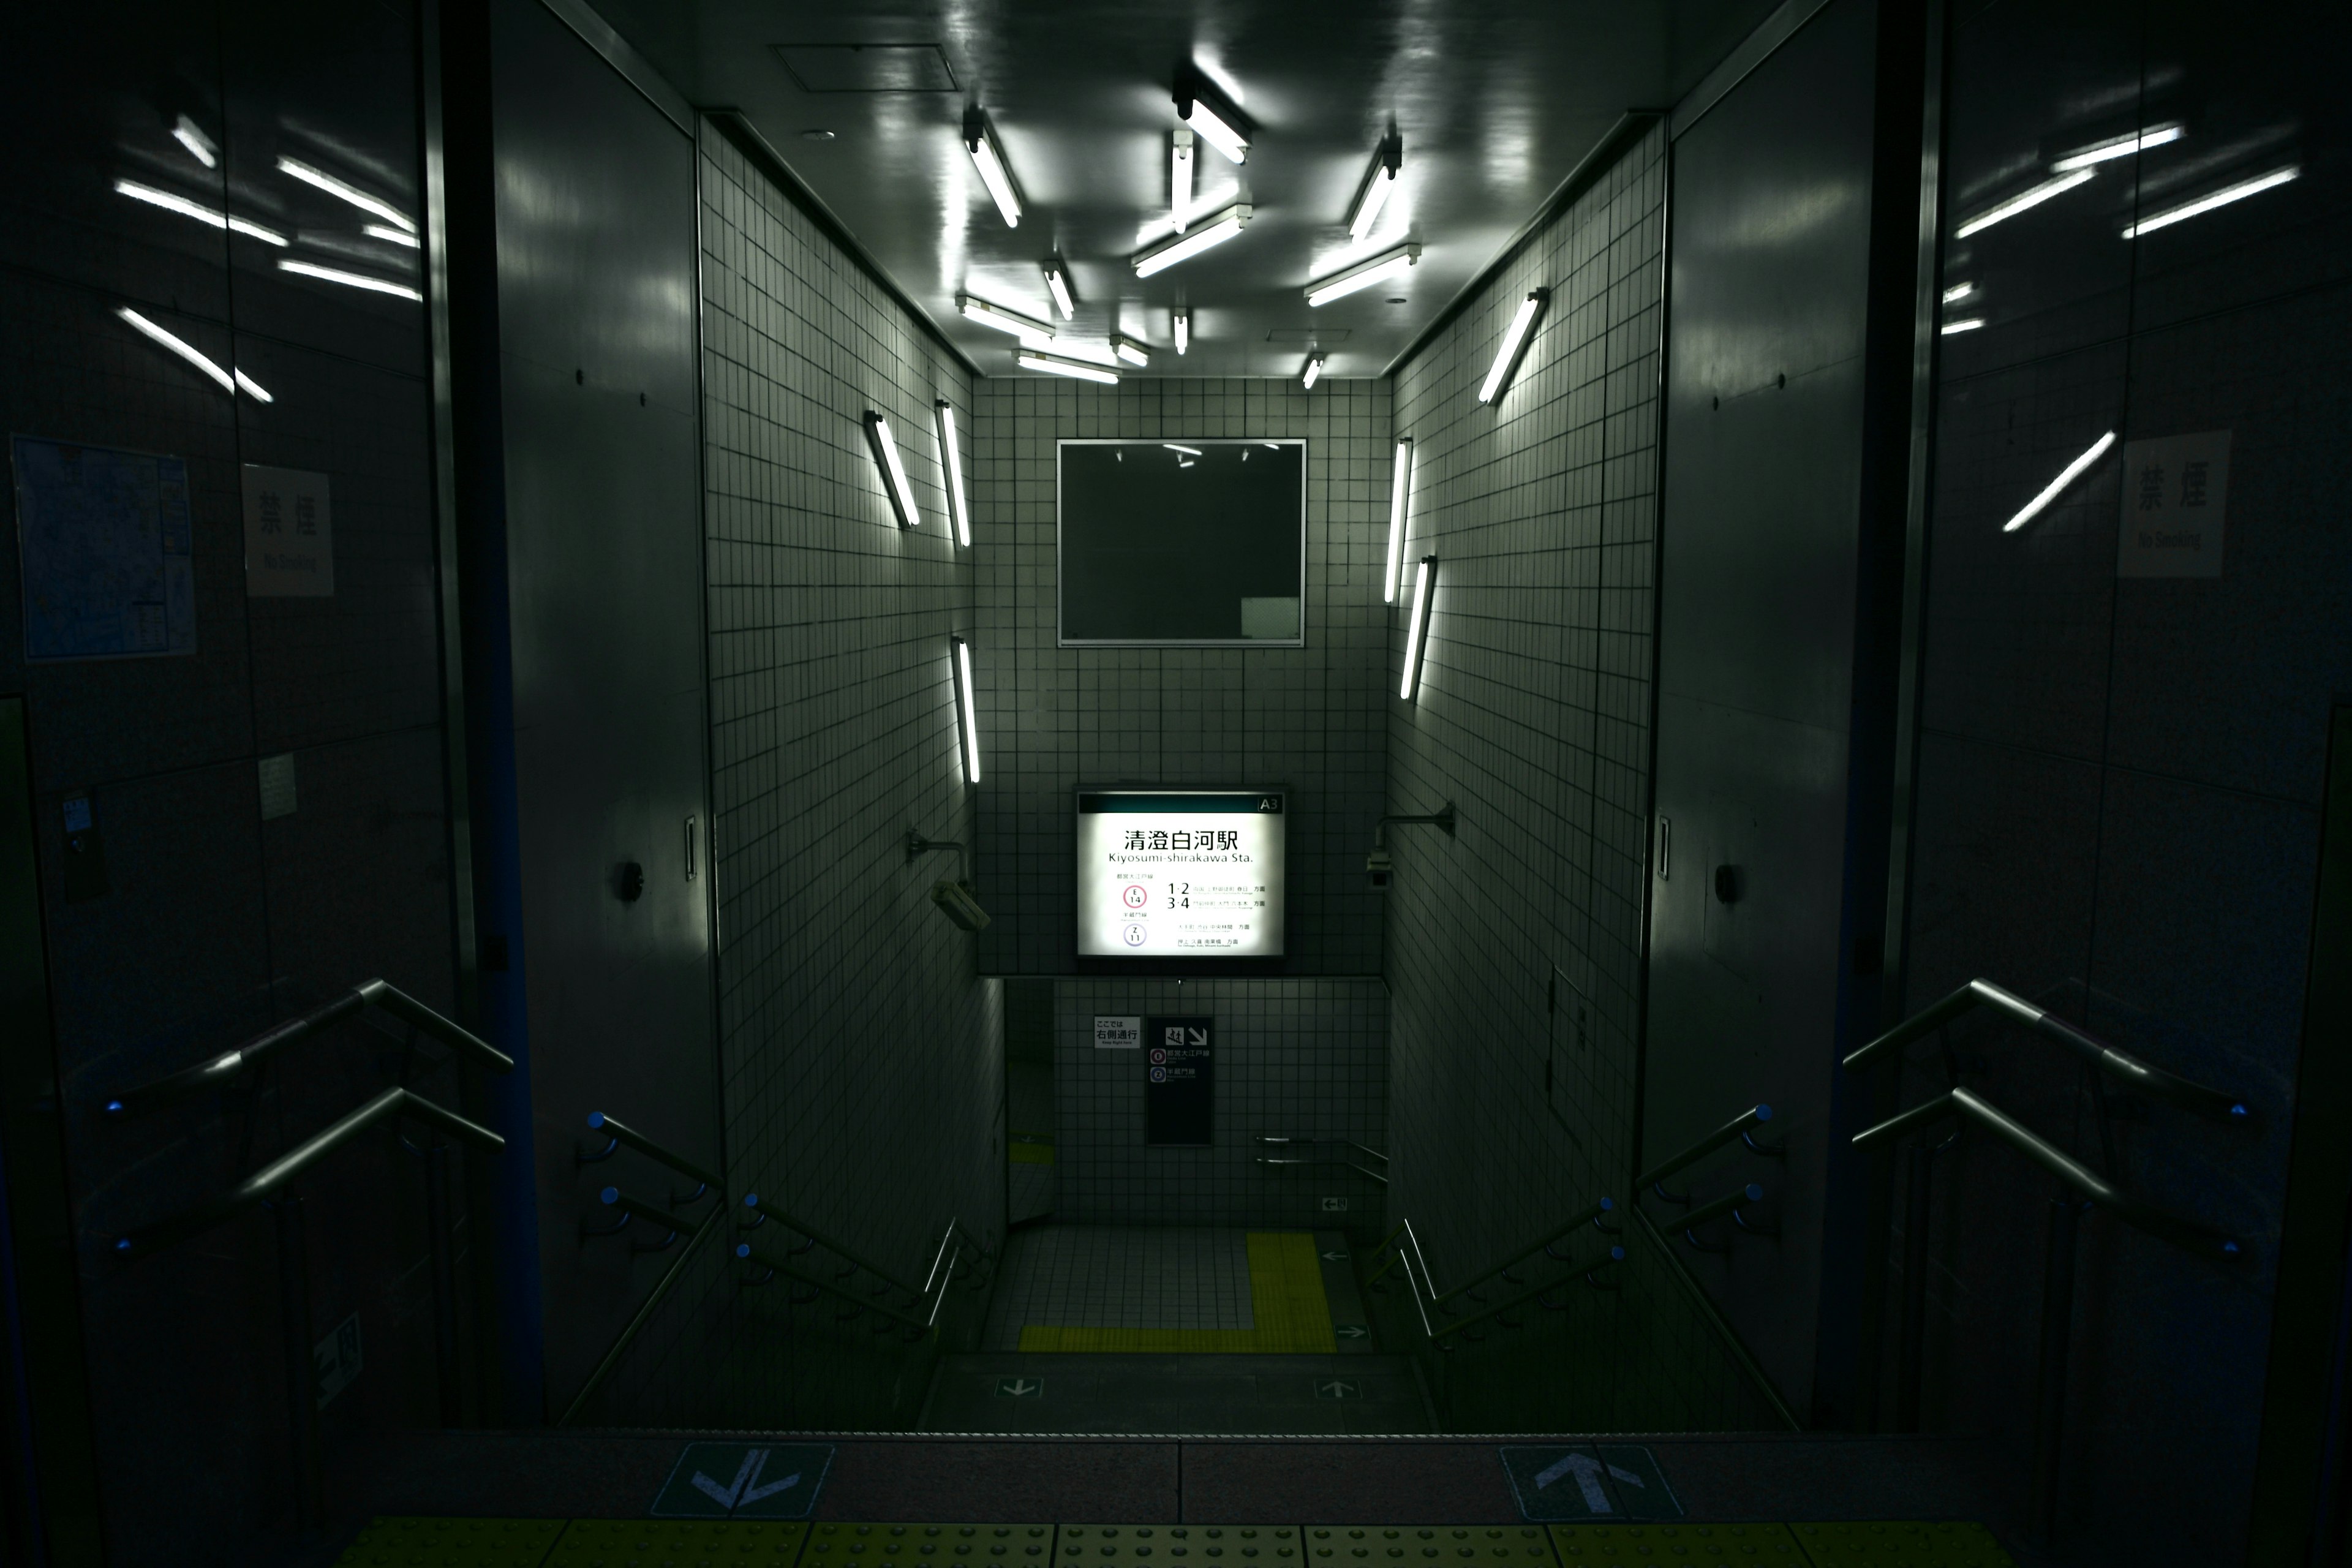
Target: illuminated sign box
(1180, 873)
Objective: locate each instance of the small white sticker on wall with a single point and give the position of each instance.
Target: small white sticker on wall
(277, 787)
(1117, 1034)
(289, 534)
(2176, 490)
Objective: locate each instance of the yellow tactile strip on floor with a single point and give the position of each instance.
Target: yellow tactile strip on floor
(1900, 1544)
(401, 1542)
(1460, 1545)
(1158, 1545)
(835, 1545)
(1287, 1305)
(676, 1543)
(1582, 1544)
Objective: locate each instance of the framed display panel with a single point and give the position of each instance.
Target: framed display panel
(1179, 872)
(1182, 542)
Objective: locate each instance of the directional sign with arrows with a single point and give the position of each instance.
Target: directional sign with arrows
(1562, 1484)
(1351, 1331)
(1020, 1388)
(1338, 1388)
(744, 1480)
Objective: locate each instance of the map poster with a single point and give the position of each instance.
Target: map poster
(1179, 1081)
(104, 541)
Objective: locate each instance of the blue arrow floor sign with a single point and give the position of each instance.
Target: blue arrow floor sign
(1561, 1483)
(744, 1480)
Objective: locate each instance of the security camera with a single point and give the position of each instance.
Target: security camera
(1377, 866)
(955, 901)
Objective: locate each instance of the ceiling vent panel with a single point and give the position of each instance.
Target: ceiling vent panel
(869, 68)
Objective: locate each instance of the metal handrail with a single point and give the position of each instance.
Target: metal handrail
(300, 1158)
(745, 1250)
(644, 1314)
(2202, 1239)
(230, 1065)
(1741, 1127)
(620, 1133)
(1613, 1253)
(2167, 1085)
(752, 1200)
(1379, 1176)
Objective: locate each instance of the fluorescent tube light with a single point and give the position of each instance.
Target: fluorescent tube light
(952, 467)
(1132, 352)
(1314, 371)
(2118, 147)
(181, 346)
(1003, 320)
(252, 388)
(1416, 637)
(1363, 274)
(1055, 364)
(350, 193)
(1188, 451)
(1377, 186)
(1209, 125)
(894, 472)
(172, 203)
(1965, 324)
(1400, 491)
(1179, 323)
(385, 231)
(2022, 202)
(201, 147)
(2067, 476)
(1957, 293)
(979, 139)
(1179, 177)
(348, 279)
(1515, 343)
(1215, 231)
(2220, 198)
(967, 711)
(1057, 280)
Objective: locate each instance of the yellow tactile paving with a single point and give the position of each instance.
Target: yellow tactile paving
(403, 1542)
(676, 1543)
(1159, 1545)
(833, 1545)
(1287, 1304)
(1582, 1544)
(1897, 1543)
(1393, 1545)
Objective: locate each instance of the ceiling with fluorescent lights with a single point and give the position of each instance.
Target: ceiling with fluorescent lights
(1496, 101)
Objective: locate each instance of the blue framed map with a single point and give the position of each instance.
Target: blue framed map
(104, 541)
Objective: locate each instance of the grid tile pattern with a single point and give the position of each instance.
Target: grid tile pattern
(1119, 1277)
(1307, 717)
(1295, 1058)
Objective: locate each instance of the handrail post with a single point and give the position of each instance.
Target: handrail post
(1911, 1359)
(2050, 1386)
(445, 1278)
(301, 1370)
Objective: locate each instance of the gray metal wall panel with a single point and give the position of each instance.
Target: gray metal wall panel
(597, 315)
(1762, 531)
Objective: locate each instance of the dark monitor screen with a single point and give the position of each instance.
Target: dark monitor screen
(1183, 541)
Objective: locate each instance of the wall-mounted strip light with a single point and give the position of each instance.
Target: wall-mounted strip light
(894, 472)
(979, 141)
(1217, 124)
(1132, 352)
(1363, 274)
(348, 279)
(1180, 326)
(1188, 451)
(172, 203)
(1057, 282)
(1515, 337)
(1003, 320)
(2067, 476)
(1213, 232)
(2024, 200)
(201, 147)
(180, 346)
(1416, 637)
(1312, 372)
(1377, 186)
(2220, 198)
(1400, 490)
(385, 231)
(952, 467)
(252, 388)
(2118, 147)
(1056, 364)
(1179, 177)
(1965, 324)
(967, 711)
(350, 193)
(1957, 293)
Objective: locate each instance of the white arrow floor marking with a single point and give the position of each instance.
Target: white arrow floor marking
(1587, 1471)
(746, 1488)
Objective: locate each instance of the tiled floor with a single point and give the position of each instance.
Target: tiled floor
(1112, 1277)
